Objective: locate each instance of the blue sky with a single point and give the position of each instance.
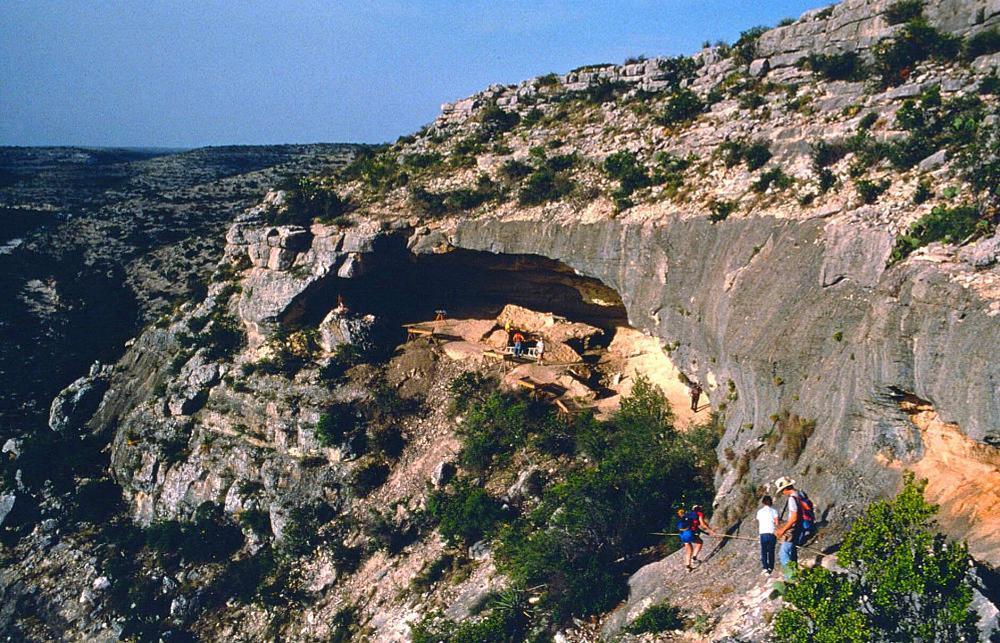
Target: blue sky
(185, 73)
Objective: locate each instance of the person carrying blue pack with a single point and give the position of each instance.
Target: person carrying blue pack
(801, 523)
(690, 524)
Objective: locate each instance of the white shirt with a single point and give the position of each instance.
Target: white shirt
(766, 518)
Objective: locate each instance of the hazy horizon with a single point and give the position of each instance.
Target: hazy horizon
(173, 75)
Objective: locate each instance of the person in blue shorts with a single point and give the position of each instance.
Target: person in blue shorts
(689, 526)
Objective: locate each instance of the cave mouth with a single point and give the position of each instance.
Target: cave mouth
(399, 287)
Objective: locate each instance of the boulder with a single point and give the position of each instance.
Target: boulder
(528, 485)
(341, 327)
(442, 474)
(78, 402)
(7, 501)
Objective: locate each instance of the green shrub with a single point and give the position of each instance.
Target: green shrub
(370, 474)
(630, 174)
(506, 622)
(896, 57)
(982, 44)
(301, 534)
(465, 514)
(755, 154)
(222, 336)
(491, 430)
(377, 168)
(867, 121)
(774, 177)
(468, 389)
(682, 105)
(495, 120)
(980, 163)
(544, 185)
(947, 225)
(656, 618)
(904, 582)
(210, 537)
(422, 161)
(870, 191)
(513, 171)
(904, 11)
(923, 193)
(603, 91)
(840, 66)
(824, 154)
(744, 50)
(337, 423)
(720, 210)
(677, 69)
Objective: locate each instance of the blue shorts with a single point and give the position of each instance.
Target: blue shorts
(688, 536)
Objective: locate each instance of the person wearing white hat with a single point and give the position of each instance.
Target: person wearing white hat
(786, 532)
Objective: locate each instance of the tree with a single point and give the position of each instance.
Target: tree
(904, 581)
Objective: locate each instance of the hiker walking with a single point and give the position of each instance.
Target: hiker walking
(690, 524)
(800, 525)
(767, 523)
(518, 343)
(695, 390)
(540, 347)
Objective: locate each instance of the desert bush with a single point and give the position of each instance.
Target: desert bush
(469, 388)
(209, 537)
(493, 429)
(720, 210)
(947, 225)
(896, 57)
(337, 423)
(495, 120)
(301, 533)
(370, 474)
(984, 43)
(377, 168)
(465, 513)
(682, 105)
(870, 191)
(513, 171)
(543, 185)
(774, 177)
(754, 153)
(980, 163)
(744, 50)
(903, 582)
(677, 69)
(656, 618)
(840, 66)
(904, 11)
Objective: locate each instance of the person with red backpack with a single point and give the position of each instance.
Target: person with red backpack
(689, 525)
(801, 523)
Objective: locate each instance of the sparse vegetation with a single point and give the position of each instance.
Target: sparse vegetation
(720, 210)
(658, 617)
(870, 191)
(744, 50)
(465, 513)
(896, 57)
(682, 106)
(947, 225)
(904, 11)
(772, 178)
